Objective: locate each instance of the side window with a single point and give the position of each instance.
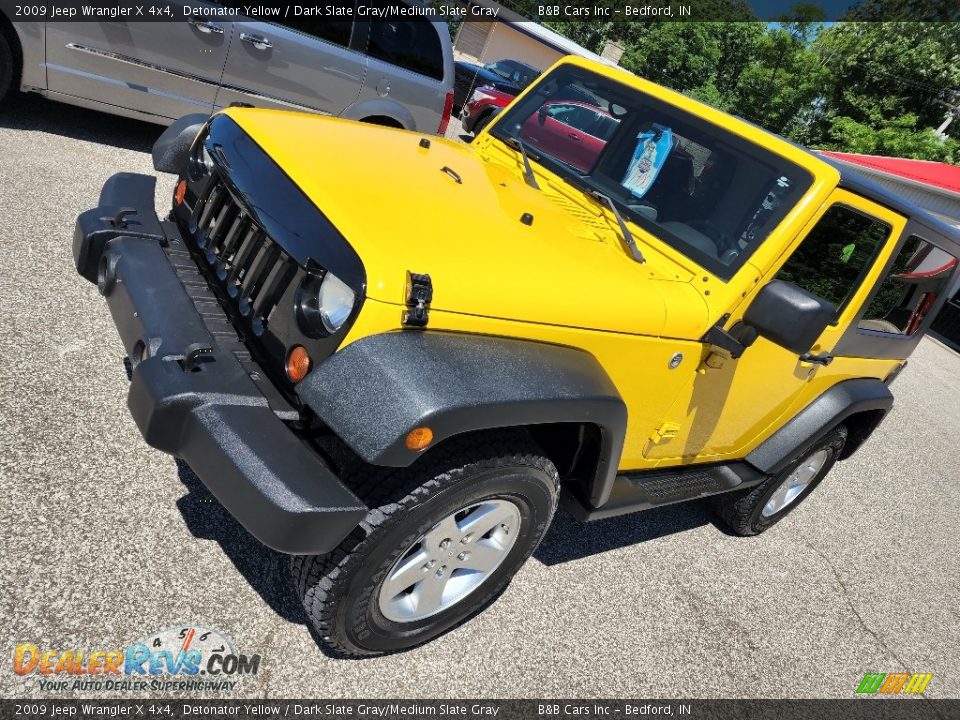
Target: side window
(834, 258)
(332, 31)
(411, 44)
(918, 276)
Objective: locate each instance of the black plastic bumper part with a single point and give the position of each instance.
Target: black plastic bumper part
(203, 406)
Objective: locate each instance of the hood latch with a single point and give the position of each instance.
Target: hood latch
(419, 297)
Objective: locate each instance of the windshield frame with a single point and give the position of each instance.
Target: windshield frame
(534, 97)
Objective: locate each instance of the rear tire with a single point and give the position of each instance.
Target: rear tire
(759, 509)
(394, 583)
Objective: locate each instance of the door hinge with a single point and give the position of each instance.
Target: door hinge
(665, 431)
(713, 361)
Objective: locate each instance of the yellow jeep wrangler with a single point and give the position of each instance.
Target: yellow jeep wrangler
(391, 355)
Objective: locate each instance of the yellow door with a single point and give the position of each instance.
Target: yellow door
(732, 405)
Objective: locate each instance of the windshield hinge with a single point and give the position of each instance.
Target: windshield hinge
(733, 341)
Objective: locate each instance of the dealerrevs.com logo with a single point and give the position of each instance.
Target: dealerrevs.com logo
(185, 658)
(894, 683)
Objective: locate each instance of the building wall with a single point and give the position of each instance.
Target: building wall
(505, 42)
(486, 42)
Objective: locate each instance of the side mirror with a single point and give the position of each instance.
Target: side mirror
(789, 316)
(172, 148)
(542, 114)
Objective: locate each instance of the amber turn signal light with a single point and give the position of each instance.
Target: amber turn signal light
(181, 191)
(298, 363)
(419, 438)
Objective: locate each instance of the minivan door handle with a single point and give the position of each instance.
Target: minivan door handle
(205, 27)
(260, 43)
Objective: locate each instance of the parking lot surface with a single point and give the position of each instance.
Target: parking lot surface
(106, 540)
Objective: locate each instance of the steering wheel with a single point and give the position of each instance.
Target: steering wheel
(727, 248)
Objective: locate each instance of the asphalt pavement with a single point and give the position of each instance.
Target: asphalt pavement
(105, 540)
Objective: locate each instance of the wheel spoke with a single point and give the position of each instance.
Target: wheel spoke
(486, 517)
(407, 574)
(445, 530)
(484, 556)
(429, 593)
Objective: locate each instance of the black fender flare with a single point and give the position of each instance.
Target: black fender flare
(376, 390)
(172, 149)
(840, 402)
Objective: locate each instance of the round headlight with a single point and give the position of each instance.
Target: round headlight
(336, 302)
(201, 164)
(323, 305)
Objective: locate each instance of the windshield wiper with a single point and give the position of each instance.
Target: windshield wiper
(517, 144)
(627, 235)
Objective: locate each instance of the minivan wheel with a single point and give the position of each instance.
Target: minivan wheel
(756, 511)
(443, 540)
(6, 65)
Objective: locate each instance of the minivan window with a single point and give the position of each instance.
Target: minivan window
(332, 31)
(911, 287)
(694, 185)
(835, 256)
(411, 44)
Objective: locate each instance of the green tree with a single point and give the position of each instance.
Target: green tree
(881, 71)
(899, 137)
(779, 89)
(682, 56)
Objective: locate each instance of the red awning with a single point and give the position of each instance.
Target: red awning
(936, 174)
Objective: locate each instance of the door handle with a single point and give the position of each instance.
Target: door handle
(573, 136)
(205, 27)
(260, 43)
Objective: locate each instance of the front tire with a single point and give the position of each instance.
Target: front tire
(756, 511)
(442, 539)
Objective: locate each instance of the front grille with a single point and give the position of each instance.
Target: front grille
(250, 269)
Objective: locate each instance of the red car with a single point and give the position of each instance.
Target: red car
(571, 131)
(480, 109)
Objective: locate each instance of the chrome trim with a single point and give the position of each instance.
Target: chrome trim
(139, 63)
(258, 41)
(205, 26)
(196, 78)
(271, 98)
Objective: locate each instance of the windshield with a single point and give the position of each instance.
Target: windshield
(520, 75)
(710, 194)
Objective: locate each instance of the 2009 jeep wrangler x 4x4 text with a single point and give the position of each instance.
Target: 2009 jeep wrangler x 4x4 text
(655, 302)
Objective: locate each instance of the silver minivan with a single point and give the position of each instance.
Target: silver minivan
(393, 72)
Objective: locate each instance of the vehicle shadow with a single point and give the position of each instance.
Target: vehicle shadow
(264, 569)
(569, 539)
(26, 111)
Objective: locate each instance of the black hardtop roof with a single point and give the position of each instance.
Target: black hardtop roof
(857, 182)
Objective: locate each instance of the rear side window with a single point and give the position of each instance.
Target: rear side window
(833, 259)
(410, 44)
(917, 278)
(332, 31)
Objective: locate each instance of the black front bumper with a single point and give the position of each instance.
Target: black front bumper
(203, 406)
